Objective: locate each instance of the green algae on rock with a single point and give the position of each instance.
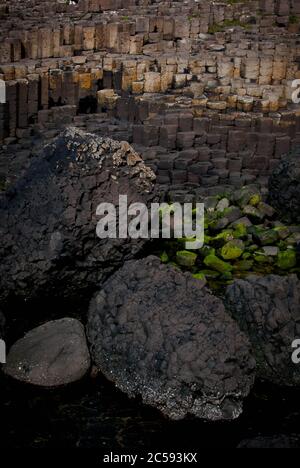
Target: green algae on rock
(287, 259)
(233, 249)
(186, 258)
(212, 261)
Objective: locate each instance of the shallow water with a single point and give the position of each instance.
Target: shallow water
(94, 414)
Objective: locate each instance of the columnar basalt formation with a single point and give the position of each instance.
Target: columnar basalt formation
(205, 88)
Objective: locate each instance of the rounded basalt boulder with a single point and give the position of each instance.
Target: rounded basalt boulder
(284, 187)
(48, 221)
(160, 334)
(50, 355)
(268, 311)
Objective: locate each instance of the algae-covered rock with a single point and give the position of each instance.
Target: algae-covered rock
(294, 239)
(243, 196)
(223, 204)
(283, 232)
(164, 257)
(243, 265)
(212, 261)
(263, 259)
(266, 210)
(242, 221)
(287, 260)
(207, 250)
(240, 231)
(200, 276)
(226, 235)
(266, 237)
(233, 213)
(210, 274)
(255, 199)
(233, 249)
(253, 213)
(185, 258)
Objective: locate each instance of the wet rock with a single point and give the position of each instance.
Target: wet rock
(287, 259)
(50, 355)
(266, 237)
(186, 258)
(212, 261)
(158, 333)
(267, 310)
(233, 249)
(284, 187)
(248, 195)
(48, 222)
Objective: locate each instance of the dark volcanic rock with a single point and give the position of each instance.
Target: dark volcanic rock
(284, 187)
(268, 311)
(53, 354)
(48, 222)
(2, 323)
(158, 333)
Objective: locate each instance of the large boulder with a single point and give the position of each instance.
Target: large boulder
(268, 311)
(284, 187)
(160, 334)
(48, 221)
(50, 355)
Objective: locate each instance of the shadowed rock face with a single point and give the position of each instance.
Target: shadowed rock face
(159, 334)
(48, 221)
(267, 310)
(284, 187)
(2, 323)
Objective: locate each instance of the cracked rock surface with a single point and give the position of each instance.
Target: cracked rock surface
(53, 354)
(284, 187)
(159, 334)
(48, 221)
(268, 311)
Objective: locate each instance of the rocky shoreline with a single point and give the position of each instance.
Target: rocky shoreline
(116, 340)
(155, 331)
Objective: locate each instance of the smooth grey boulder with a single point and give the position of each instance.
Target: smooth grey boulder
(160, 334)
(268, 311)
(50, 355)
